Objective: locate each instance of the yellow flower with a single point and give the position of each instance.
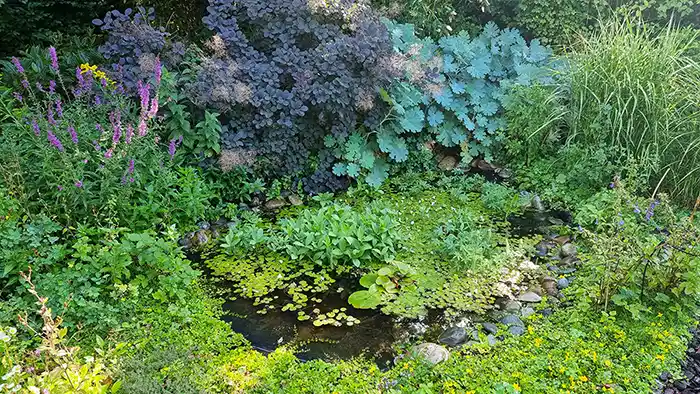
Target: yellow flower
(608, 363)
(538, 342)
(660, 357)
(516, 386)
(583, 378)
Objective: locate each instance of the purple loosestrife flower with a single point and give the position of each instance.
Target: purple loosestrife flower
(54, 140)
(154, 108)
(115, 118)
(73, 135)
(54, 58)
(143, 129)
(98, 100)
(18, 96)
(18, 65)
(636, 209)
(129, 134)
(60, 188)
(79, 184)
(49, 116)
(52, 86)
(103, 81)
(97, 145)
(35, 126)
(130, 170)
(131, 180)
(25, 84)
(144, 94)
(99, 128)
(108, 153)
(158, 68)
(171, 149)
(59, 108)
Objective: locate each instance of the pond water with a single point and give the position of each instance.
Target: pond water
(375, 335)
(372, 337)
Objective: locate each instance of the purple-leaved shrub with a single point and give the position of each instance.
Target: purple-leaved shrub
(287, 73)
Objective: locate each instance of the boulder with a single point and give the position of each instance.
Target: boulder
(432, 352)
(537, 204)
(453, 336)
(563, 283)
(511, 320)
(568, 250)
(529, 297)
(295, 200)
(448, 163)
(527, 311)
(277, 203)
(490, 328)
(516, 330)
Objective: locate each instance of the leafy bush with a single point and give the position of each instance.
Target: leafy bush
(290, 73)
(245, 237)
(53, 366)
(454, 89)
(339, 235)
(87, 152)
(136, 47)
(645, 107)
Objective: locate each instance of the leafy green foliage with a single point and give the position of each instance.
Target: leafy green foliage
(245, 237)
(337, 234)
(385, 283)
(453, 89)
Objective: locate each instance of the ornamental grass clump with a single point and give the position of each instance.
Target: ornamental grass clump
(640, 93)
(83, 151)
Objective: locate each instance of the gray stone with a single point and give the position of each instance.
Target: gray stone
(568, 260)
(204, 225)
(448, 163)
(511, 320)
(547, 312)
(201, 238)
(527, 311)
(491, 340)
(277, 203)
(512, 306)
(530, 297)
(516, 330)
(568, 250)
(295, 200)
(549, 285)
(541, 249)
(432, 352)
(563, 283)
(453, 336)
(536, 204)
(490, 328)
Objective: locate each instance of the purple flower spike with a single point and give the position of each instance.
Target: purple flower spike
(35, 127)
(99, 128)
(52, 86)
(25, 84)
(18, 65)
(115, 119)
(171, 149)
(108, 154)
(18, 96)
(49, 116)
(59, 108)
(54, 58)
(144, 94)
(73, 134)
(142, 128)
(98, 100)
(154, 108)
(97, 146)
(79, 184)
(54, 140)
(129, 134)
(130, 170)
(131, 180)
